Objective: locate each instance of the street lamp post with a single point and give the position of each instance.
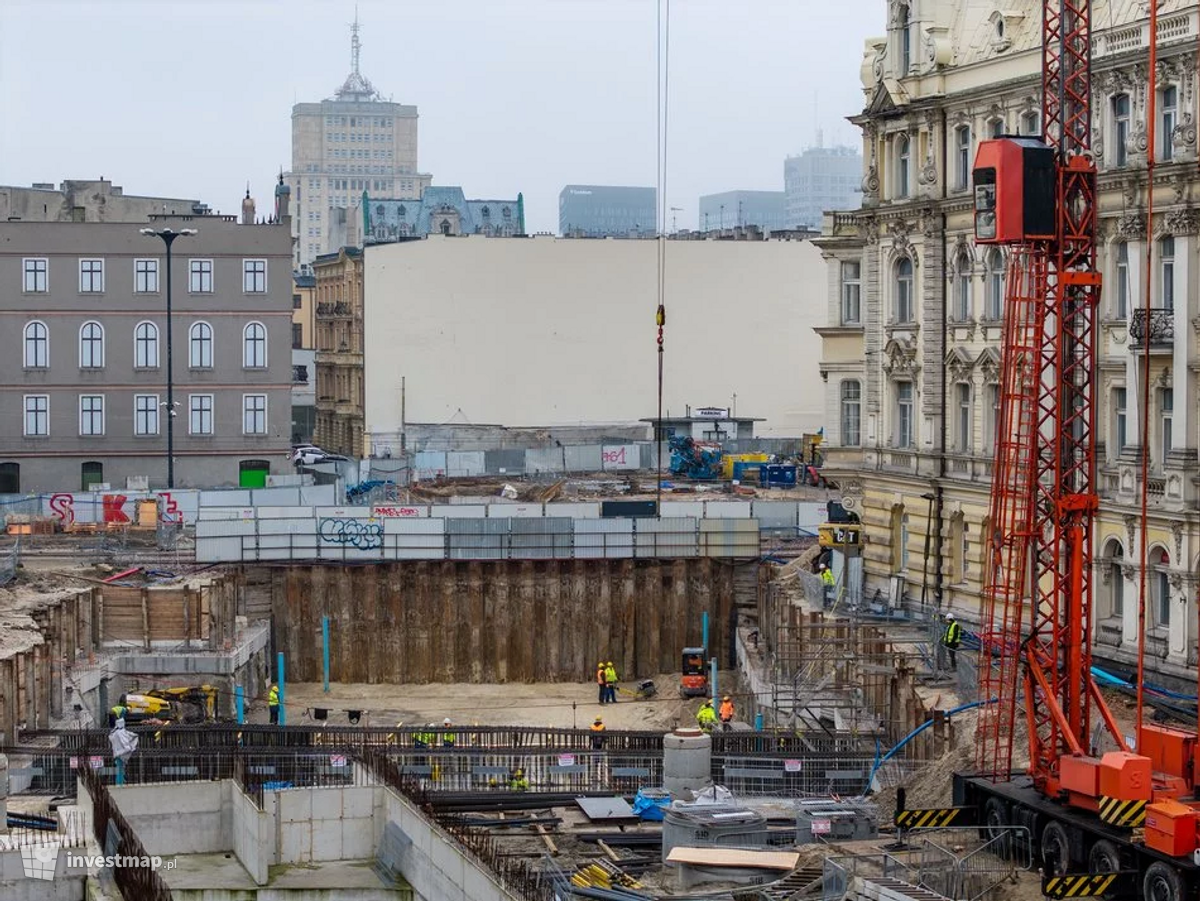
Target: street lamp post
(168, 236)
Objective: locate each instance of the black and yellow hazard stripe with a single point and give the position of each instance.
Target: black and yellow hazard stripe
(1082, 885)
(930, 818)
(1128, 814)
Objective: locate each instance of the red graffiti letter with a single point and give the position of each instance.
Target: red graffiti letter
(113, 511)
(63, 507)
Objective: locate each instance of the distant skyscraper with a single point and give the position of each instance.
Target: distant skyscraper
(598, 211)
(766, 209)
(820, 179)
(352, 143)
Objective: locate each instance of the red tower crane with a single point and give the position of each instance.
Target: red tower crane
(1117, 812)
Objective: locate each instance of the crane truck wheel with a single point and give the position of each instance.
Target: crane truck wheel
(1056, 850)
(1104, 857)
(1162, 883)
(995, 819)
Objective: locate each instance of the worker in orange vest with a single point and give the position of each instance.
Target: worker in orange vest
(726, 712)
(601, 683)
(598, 734)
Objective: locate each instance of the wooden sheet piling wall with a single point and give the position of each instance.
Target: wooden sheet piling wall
(499, 621)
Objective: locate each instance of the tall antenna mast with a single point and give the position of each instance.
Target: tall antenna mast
(355, 43)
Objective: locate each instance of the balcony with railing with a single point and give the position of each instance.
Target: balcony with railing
(1159, 336)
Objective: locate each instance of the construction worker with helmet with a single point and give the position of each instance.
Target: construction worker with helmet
(610, 681)
(448, 737)
(951, 638)
(273, 704)
(706, 717)
(726, 712)
(517, 781)
(597, 734)
(601, 682)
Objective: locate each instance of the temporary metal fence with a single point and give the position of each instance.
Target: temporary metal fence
(797, 776)
(840, 870)
(136, 879)
(965, 864)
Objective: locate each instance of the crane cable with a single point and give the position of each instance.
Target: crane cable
(663, 65)
(1145, 422)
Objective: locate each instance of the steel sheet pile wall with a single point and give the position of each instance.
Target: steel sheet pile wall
(499, 621)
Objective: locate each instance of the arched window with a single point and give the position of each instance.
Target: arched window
(91, 346)
(903, 158)
(1160, 586)
(995, 285)
(1114, 556)
(904, 290)
(963, 306)
(851, 413)
(200, 346)
(145, 346)
(445, 227)
(37, 346)
(254, 346)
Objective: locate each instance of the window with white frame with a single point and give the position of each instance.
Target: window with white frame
(851, 413)
(1160, 587)
(904, 538)
(254, 346)
(37, 345)
(904, 414)
(851, 292)
(91, 415)
(996, 127)
(1031, 123)
(200, 414)
(200, 276)
(991, 416)
(962, 156)
(962, 400)
(1166, 271)
(963, 306)
(903, 159)
(1166, 410)
(1120, 132)
(904, 17)
(200, 346)
(145, 414)
(1120, 436)
(904, 290)
(1121, 295)
(145, 276)
(1114, 556)
(254, 275)
(91, 276)
(145, 346)
(995, 285)
(91, 346)
(1168, 114)
(37, 415)
(36, 275)
(254, 414)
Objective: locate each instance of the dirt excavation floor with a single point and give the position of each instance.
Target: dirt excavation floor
(555, 705)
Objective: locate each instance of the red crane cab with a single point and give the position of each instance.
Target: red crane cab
(1015, 186)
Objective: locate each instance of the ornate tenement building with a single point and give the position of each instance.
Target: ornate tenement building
(339, 358)
(911, 351)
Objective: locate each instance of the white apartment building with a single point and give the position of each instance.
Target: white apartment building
(911, 349)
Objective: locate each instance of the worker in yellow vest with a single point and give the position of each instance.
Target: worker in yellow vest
(610, 681)
(706, 717)
(273, 704)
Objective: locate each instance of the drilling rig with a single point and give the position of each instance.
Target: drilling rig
(1134, 811)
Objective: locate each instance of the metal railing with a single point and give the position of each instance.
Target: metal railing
(1161, 331)
(946, 867)
(136, 879)
(840, 870)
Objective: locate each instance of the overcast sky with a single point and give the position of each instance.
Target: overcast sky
(192, 98)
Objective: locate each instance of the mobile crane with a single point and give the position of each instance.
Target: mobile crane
(1118, 812)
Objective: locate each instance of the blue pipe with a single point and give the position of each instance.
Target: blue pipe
(713, 678)
(325, 651)
(239, 700)
(917, 731)
(279, 682)
(704, 630)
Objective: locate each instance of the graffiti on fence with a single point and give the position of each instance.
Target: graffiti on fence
(393, 512)
(357, 533)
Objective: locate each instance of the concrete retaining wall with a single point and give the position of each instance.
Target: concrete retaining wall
(179, 817)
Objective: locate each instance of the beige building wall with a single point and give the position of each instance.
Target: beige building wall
(545, 331)
(913, 332)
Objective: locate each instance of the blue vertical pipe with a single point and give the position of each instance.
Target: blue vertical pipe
(713, 679)
(120, 767)
(704, 630)
(325, 650)
(758, 722)
(239, 701)
(279, 682)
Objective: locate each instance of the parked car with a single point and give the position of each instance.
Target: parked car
(311, 455)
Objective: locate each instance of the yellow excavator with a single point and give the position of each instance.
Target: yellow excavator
(191, 704)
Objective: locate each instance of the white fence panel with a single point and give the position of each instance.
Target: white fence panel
(673, 536)
(620, 457)
(682, 508)
(400, 511)
(458, 511)
(218, 550)
(727, 509)
(285, 513)
(574, 509)
(600, 538)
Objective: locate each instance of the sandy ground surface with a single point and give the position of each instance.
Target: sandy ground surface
(555, 705)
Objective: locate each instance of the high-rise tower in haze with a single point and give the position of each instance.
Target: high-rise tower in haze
(354, 142)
